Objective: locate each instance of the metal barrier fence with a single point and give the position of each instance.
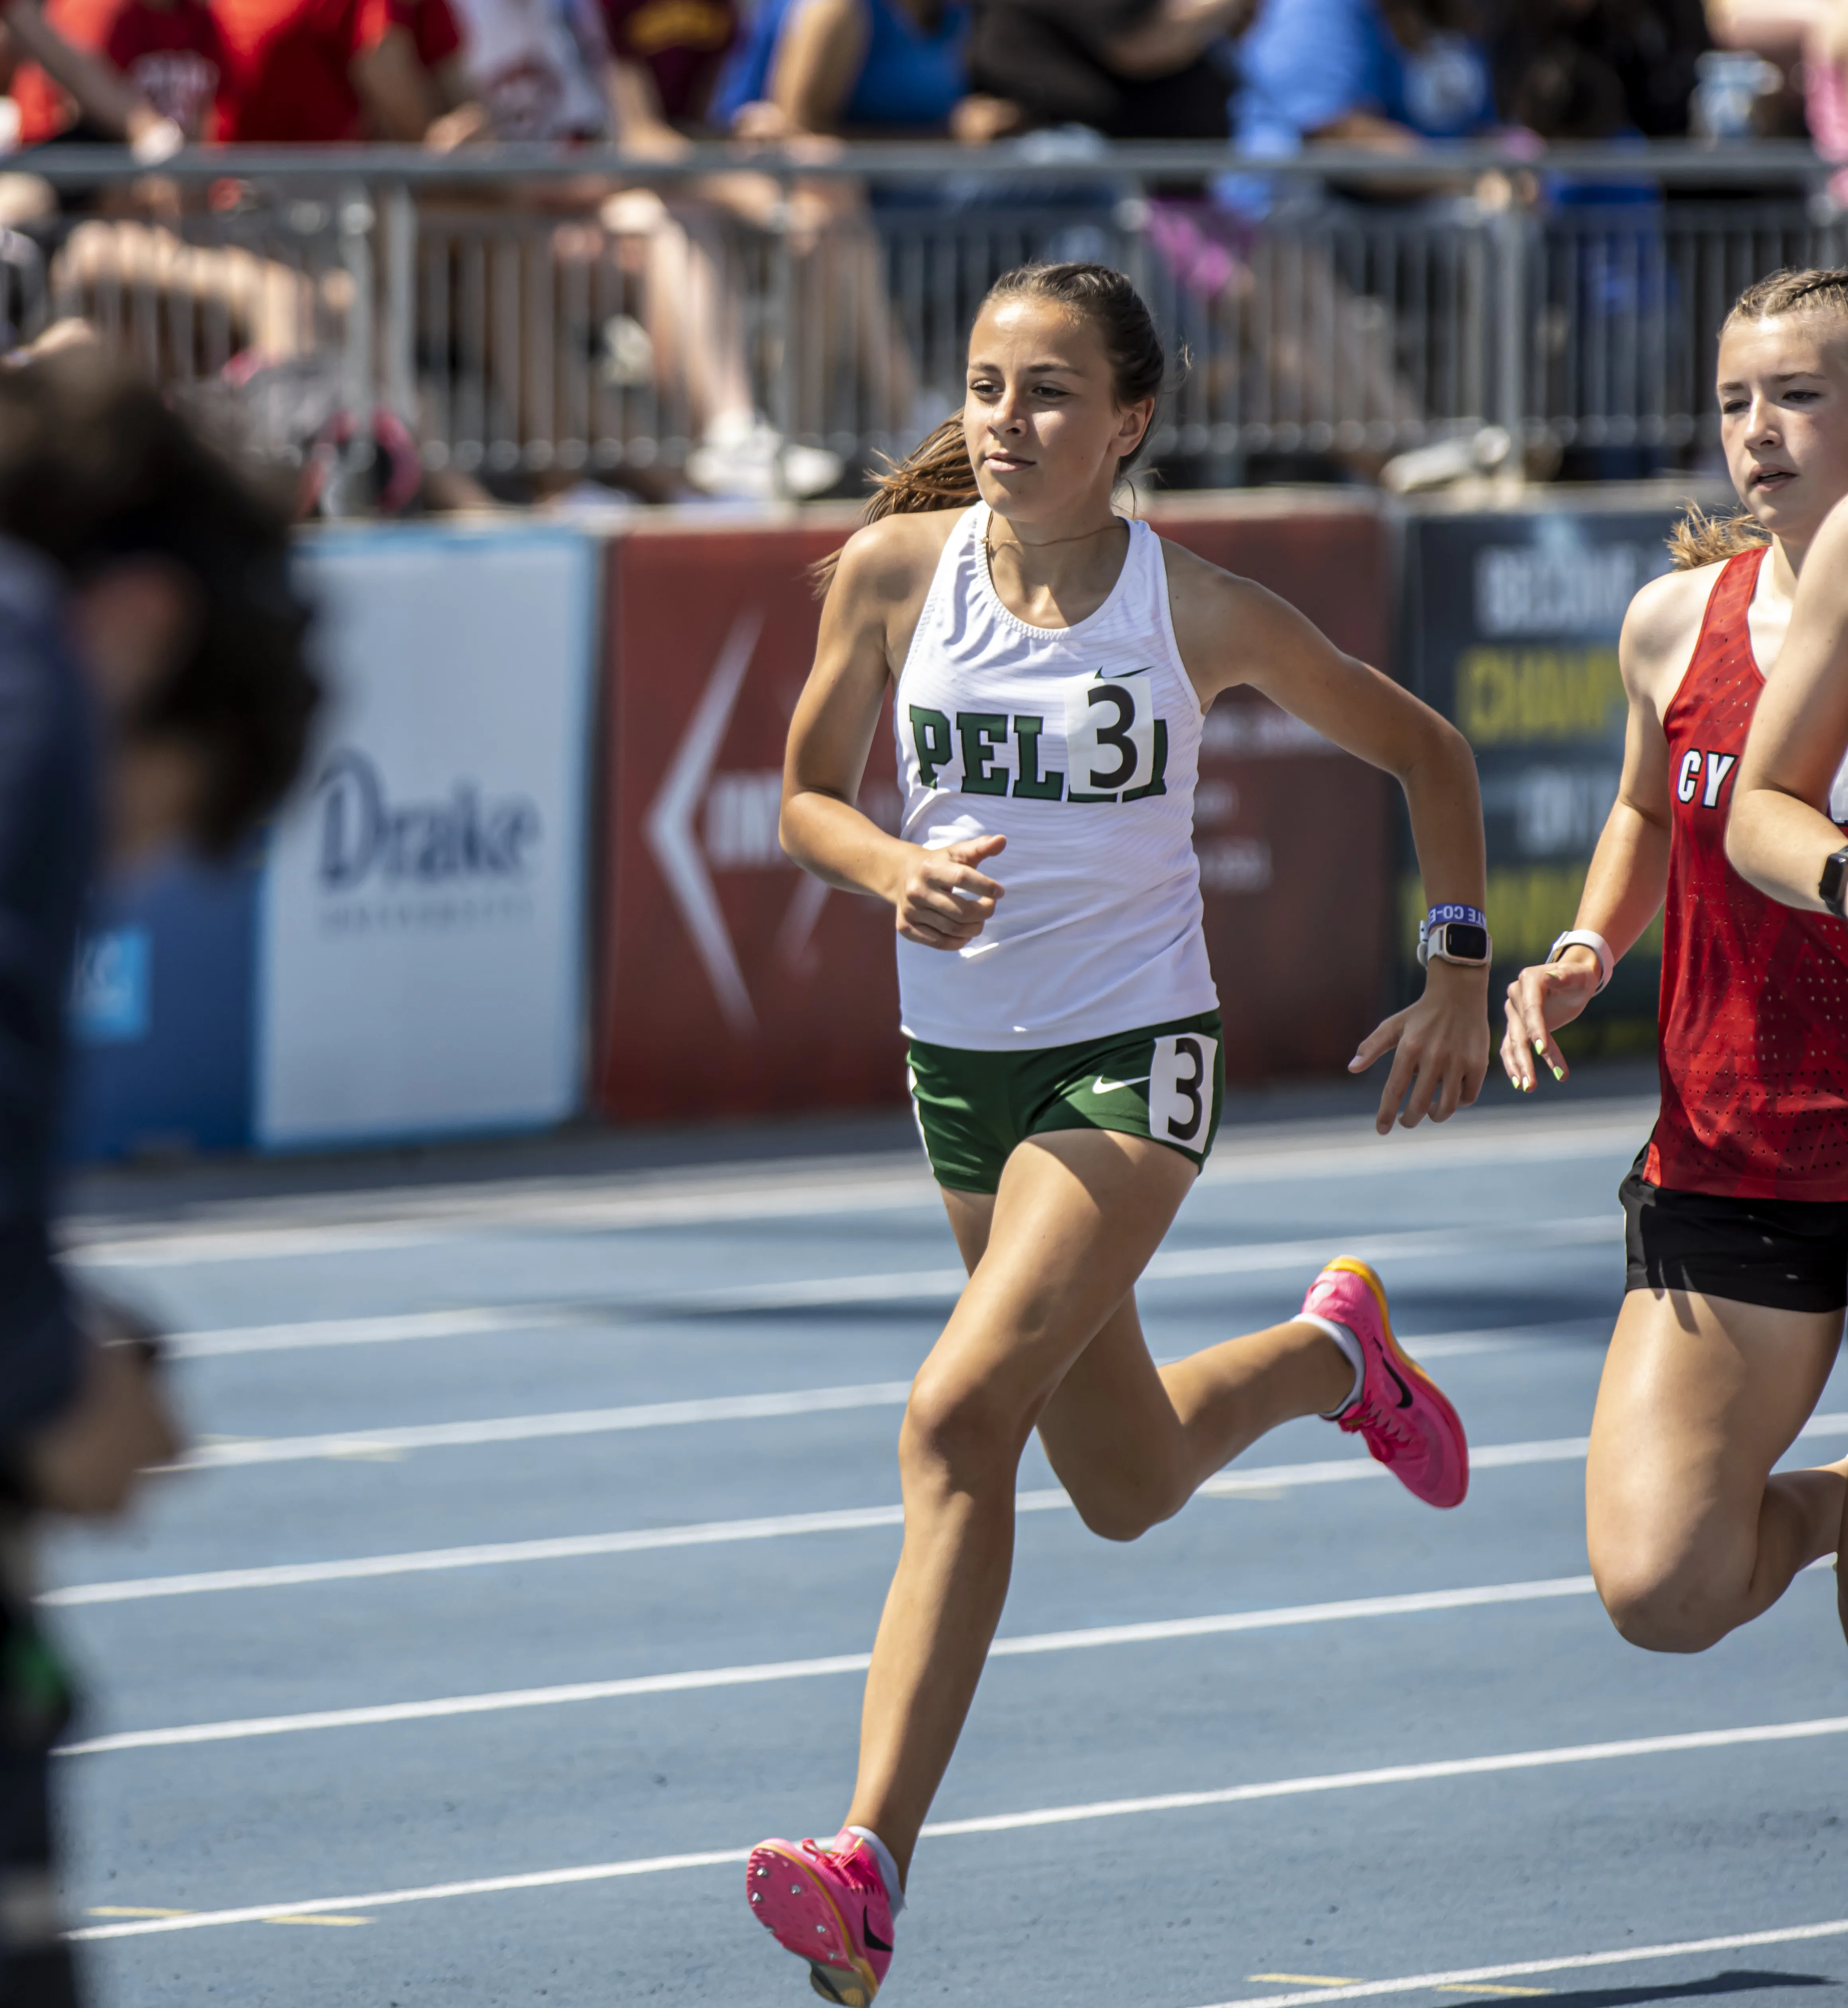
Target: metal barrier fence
(763, 319)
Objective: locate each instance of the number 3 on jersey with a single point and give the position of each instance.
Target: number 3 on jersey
(1111, 729)
(1181, 1090)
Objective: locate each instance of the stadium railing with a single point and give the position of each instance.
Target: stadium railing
(558, 311)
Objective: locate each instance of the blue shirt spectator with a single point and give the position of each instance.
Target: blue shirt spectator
(1308, 65)
(911, 77)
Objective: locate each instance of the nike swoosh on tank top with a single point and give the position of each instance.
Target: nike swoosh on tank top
(1754, 995)
(1081, 746)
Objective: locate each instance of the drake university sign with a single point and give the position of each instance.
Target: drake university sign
(421, 930)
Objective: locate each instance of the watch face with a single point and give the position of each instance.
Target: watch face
(1464, 942)
(1829, 891)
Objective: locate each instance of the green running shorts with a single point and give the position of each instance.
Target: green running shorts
(1166, 1081)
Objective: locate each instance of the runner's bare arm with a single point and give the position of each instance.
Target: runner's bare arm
(1779, 835)
(1231, 631)
(939, 897)
(1628, 875)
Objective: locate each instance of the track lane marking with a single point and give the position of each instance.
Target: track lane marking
(237, 1453)
(1159, 1631)
(1297, 1979)
(497, 1320)
(1348, 1148)
(1181, 1265)
(468, 1321)
(1176, 1265)
(1473, 1976)
(1167, 1802)
(229, 1453)
(1261, 1481)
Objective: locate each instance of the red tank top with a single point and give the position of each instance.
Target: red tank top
(1754, 995)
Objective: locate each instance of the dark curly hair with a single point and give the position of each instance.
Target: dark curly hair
(95, 467)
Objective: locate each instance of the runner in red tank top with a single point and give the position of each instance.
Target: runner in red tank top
(1736, 1210)
(1754, 1068)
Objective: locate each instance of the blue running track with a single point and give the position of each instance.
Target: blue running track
(540, 1525)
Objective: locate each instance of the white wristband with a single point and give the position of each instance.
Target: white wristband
(1584, 937)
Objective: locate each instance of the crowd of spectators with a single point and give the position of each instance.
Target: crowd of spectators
(1270, 77)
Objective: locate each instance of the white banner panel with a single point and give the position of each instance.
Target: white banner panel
(422, 927)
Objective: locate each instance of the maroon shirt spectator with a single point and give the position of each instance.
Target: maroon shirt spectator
(173, 51)
(680, 44)
(320, 72)
(433, 27)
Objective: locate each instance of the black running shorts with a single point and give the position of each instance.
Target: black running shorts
(1787, 1254)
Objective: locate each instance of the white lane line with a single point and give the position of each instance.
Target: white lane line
(1573, 1962)
(1156, 1632)
(490, 1320)
(1343, 1148)
(233, 1452)
(486, 1886)
(469, 1322)
(1259, 1479)
(529, 1429)
(1181, 1265)
(1397, 1774)
(1338, 1781)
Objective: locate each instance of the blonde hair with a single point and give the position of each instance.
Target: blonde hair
(1700, 538)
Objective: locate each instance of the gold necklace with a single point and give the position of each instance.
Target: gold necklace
(1081, 537)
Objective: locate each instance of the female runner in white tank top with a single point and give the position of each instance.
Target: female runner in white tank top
(1052, 664)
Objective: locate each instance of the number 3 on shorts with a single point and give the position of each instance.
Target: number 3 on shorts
(1181, 1090)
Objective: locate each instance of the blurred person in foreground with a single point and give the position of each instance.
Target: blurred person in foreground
(153, 691)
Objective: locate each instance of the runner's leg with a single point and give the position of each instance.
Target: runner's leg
(1690, 1535)
(1077, 1216)
(1132, 1442)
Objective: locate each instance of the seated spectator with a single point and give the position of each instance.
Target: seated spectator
(322, 71)
(1131, 70)
(1807, 41)
(859, 68)
(538, 72)
(847, 68)
(173, 53)
(667, 57)
(1384, 75)
(1552, 58)
(65, 87)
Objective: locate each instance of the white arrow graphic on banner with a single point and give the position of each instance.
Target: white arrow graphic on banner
(668, 825)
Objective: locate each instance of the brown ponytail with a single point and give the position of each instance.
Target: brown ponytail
(937, 473)
(1700, 539)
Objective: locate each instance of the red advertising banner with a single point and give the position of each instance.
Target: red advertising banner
(731, 984)
(1295, 838)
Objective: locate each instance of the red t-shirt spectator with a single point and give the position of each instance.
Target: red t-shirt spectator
(433, 27)
(45, 110)
(682, 43)
(174, 54)
(294, 60)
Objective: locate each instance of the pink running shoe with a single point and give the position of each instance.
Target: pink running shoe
(1405, 1421)
(825, 1901)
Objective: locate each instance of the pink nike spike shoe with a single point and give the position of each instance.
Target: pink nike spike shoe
(825, 1901)
(1399, 1413)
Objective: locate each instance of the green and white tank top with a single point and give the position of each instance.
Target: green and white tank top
(1081, 746)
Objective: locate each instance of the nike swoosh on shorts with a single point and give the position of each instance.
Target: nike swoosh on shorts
(1100, 1086)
